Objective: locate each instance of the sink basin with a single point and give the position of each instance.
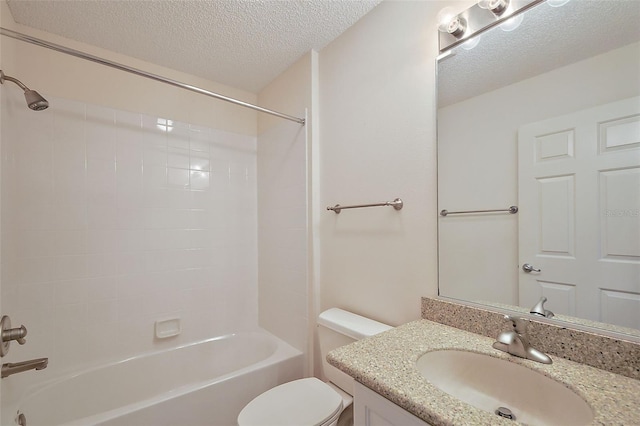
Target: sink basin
(493, 384)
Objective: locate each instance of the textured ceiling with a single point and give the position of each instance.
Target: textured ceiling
(240, 43)
(548, 38)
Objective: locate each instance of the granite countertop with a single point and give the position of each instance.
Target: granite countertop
(386, 362)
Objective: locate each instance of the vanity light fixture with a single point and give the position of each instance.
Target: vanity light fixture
(497, 7)
(451, 23)
(463, 28)
(503, 9)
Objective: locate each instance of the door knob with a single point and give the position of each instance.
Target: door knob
(527, 267)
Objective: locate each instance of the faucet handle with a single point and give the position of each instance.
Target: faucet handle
(7, 334)
(519, 324)
(16, 334)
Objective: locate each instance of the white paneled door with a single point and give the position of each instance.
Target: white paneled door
(579, 218)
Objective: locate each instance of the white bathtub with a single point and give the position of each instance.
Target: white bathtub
(204, 383)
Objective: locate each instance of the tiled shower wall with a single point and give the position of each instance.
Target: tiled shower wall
(112, 220)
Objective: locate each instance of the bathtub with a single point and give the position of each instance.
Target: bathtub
(203, 383)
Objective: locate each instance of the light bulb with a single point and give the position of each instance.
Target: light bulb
(457, 27)
(451, 23)
(497, 7)
(445, 16)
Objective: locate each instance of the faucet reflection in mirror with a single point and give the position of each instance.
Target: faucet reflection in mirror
(539, 309)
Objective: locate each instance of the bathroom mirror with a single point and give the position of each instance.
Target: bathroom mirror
(544, 117)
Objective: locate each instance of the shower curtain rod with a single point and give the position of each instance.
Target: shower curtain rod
(82, 55)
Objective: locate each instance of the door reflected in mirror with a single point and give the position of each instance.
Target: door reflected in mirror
(546, 118)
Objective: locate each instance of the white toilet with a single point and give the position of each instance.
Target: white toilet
(312, 402)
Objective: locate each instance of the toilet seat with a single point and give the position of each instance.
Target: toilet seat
(309, 402)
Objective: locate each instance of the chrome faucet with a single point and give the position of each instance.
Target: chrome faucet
(539, 309)
(516, 343)
(34, 364)
(9, 334)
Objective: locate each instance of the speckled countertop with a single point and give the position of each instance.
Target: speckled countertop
(386, 362)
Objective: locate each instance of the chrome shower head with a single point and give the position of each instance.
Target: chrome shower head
(34, 100)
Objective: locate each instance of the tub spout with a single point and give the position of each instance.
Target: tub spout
(34, 364)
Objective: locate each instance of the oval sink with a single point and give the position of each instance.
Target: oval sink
(493, 384)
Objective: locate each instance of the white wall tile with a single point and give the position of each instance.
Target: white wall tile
(36, 295)
(102, 216)
(71, 292)
(102, 312)
(101, 241)
(68, 242)
(178, 157)
(101, 288)
(178, 137)
(131, 218)
(199, 180)
(101, 182)
(67, 217)
(35, 243)
(129, 150)
(178, 178)
(30, 270)
(154, 154)
(69, 267)
(117, 223)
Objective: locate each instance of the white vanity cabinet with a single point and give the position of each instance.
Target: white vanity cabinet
(371, 409)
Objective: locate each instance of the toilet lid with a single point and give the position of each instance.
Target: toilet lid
(300, 402)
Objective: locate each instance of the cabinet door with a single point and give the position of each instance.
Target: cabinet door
(371, 409)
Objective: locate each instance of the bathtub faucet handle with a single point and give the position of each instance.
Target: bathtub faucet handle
(17, 334)
(8, 334)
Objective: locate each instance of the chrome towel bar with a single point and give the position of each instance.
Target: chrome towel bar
(396, 204)
(512, 210)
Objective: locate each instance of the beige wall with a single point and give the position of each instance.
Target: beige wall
(377, 130)
(64, 76)
(284, 248)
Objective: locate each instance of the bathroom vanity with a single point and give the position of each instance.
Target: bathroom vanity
(369, 409)
(391, 389)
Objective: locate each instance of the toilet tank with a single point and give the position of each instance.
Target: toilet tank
(336, 328)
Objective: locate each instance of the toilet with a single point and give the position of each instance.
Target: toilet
(310, 401)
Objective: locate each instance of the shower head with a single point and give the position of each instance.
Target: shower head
(34, 100)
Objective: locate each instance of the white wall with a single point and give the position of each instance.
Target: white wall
(377, 130)
(284, 256)
(478, 166)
